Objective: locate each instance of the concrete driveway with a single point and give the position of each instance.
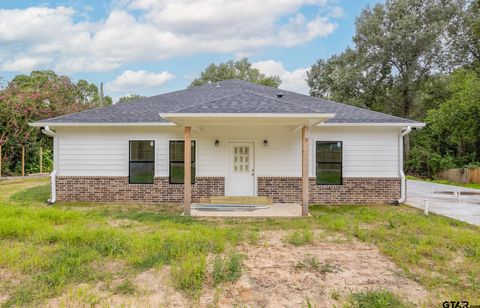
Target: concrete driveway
(443, 200)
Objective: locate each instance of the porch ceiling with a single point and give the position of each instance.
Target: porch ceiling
(246, 119)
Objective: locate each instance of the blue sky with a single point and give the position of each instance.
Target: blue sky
(155, 46)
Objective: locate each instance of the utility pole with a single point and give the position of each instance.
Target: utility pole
(23, 160)
(41, 160)
(101, 94)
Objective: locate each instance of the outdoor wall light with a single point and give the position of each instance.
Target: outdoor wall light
(217, 143)
(265, 143)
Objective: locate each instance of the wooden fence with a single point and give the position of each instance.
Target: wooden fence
(40, 160)
(460, 175)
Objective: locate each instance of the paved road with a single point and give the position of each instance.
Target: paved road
(442, 200)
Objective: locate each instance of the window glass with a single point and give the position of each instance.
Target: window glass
(241, 159)
(141, 173)
(176, 163)
(329, 162)
(142, 162)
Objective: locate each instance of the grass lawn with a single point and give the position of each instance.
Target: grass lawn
(45, 251)
(467, 185)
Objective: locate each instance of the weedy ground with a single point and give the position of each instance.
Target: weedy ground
(100, 254)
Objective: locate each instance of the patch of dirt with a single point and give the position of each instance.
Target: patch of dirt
(158, 290)
(153, 290)
(271, 279)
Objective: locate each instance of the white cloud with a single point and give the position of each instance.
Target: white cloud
(35, 24)
(25, 64)
(131, 81)
(291, 80)
(148, 30)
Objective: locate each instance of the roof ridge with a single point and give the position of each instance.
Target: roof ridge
(242, 92)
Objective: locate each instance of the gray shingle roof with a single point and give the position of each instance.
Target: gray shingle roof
(229, 96)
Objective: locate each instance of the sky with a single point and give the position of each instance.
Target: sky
(151, 47)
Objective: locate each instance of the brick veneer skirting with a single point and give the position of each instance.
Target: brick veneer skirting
(117, 189)
(352, 191)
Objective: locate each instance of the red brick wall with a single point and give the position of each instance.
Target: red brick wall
(353, 190)
(281, 189)
(117, 189)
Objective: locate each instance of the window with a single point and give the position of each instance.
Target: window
(241, 159)
(177, 162)
(329, 162)
(141, 162)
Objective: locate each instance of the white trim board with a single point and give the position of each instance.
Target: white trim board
(41, 124)
(373, 124)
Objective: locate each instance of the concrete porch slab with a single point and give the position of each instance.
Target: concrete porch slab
(275, 210)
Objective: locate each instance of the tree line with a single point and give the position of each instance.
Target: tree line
(28, 98)
(418, 59)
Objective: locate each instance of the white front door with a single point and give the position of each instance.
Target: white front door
(241, 169)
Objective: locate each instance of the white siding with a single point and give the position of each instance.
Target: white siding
(280, 158)
(104, 151)
(367, 152)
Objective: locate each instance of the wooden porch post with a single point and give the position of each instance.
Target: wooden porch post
(187, 180)
(305, 149)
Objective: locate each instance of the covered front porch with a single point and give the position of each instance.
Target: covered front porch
(240, 174)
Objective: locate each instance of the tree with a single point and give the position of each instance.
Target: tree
(130, 98)
(27, 98)
(452, 135)
(344, 78)
(88, 94)
(399, 47)
(457, 121)
(241, 69)
(465, 34)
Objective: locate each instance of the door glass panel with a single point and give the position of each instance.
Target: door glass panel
(241, 159)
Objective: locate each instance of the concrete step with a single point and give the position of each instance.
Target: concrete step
(237, 200)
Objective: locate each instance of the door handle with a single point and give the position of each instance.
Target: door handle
(253, 171)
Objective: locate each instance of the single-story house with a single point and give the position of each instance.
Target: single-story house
(243, 139)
